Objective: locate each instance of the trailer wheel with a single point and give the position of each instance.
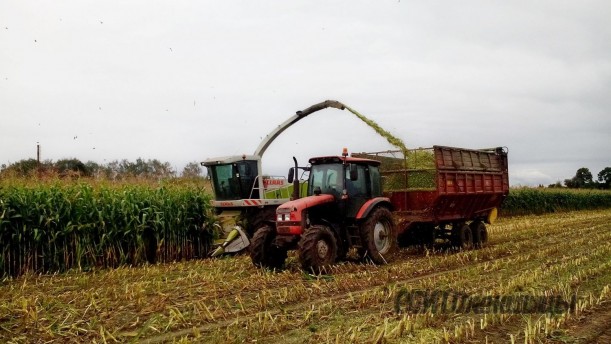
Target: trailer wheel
(317, 249)
(462, 237)
(480, 233)
(379, 236)
(262, 251)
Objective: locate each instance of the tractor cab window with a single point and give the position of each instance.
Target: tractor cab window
(358, 187)
(234, 181)
(327, 177)
(376, 186)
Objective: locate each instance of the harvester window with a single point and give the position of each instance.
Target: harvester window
(248, 177)
(222, 175)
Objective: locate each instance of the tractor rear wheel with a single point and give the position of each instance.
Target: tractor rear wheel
(462, 237)
(317, 249)
(263, 252)
(480, 233)
(379, 236)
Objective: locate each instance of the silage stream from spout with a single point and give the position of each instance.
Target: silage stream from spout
(375, 126)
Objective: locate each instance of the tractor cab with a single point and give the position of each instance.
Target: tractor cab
(351, 181)
(339, 187)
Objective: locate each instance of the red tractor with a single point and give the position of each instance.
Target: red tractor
(344, 208)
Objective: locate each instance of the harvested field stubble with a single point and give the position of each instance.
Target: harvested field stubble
(229, 300)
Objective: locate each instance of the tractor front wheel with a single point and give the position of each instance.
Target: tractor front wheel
(263, 252)
(379, 236)
(317, 249)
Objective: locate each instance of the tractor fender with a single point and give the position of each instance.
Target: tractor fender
(294, 210)
(372, 204)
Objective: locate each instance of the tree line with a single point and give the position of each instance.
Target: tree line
(114, 170)
(584, 179)
(155, 169)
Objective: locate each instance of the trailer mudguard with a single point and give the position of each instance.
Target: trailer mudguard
(372, 204)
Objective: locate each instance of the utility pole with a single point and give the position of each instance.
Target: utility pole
(38, 158)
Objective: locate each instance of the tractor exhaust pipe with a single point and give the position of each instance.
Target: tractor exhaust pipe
(295, 180)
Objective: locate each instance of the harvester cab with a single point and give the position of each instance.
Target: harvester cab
(234, 178)
(244, 198)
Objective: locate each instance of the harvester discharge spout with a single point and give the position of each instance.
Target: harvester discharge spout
(321, 106)
(299, 115)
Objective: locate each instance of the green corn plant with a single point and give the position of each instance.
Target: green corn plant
(526, 201)
(56, 226)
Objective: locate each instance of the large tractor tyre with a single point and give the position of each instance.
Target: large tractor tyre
(257, 218)
(480, 233)
(262, 251)
(462, 236)
(379, 236)
(317, 249)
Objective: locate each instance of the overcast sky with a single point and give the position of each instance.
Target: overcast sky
(183, 81)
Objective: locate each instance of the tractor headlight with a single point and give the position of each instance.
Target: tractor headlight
(279, 217)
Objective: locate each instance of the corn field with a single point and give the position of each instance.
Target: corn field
(56, 226)
(525, 201)
(60, 225)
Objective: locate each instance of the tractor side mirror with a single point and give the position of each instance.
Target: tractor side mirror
(354, 173)
(291, 175)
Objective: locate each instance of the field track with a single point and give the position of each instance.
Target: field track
(229, 300)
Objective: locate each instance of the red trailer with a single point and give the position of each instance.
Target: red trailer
(376, 202)
(435, 191)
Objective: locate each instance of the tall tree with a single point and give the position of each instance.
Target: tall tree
(582, 179)
(192, 170)
(604, 177)
(25, 167)
(65, 166)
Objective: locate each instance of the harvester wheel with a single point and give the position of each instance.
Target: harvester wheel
(262, 251)
(462, 237)
(317, 249)
(480, 233)
(379, 236)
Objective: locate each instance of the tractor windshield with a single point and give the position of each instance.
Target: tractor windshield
(234, 181)
(327, 177)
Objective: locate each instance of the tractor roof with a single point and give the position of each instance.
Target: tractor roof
(341, 159)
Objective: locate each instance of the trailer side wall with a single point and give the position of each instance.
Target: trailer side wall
(443, 184)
